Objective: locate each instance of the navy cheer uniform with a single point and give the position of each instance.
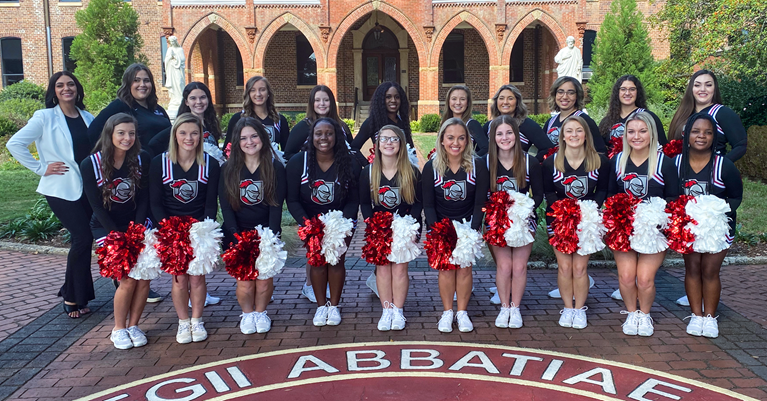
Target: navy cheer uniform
(175, 192)
(478, 136)
(530, 133)
(301, 133)
(369, 131)
(150, 122)
(455, 196)
(506, 181)
(663, 184)
(730, 129)
(389, 196)
(553, 126)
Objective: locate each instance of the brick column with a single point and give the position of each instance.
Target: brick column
(428, 93)
(499, 75)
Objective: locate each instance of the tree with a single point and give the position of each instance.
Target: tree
(622, 47)
(108, 44)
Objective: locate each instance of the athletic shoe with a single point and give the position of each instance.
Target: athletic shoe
(515, 318)
(153, 297)
(209, 300)
(398, 319)
(334, 316)
(247, 323)
(371, 283)
(464, 323)
(566, 320)
(710, 327)
(121, 339)
(645, 328)
(384, 324)
(198, 332)
(631, 325)
(445, 324)
(263, 323)
(321, 316)
(502, 321)
(616, 295)
(327, 291)
(683, 301)
(308, 293)
(495, 299)
(493, 290)
(695, 327)
(455, 294)
(555, 292)
(137, 337)
(184, 333)
(579, 320)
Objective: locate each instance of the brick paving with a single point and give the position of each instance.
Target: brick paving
(54, 357)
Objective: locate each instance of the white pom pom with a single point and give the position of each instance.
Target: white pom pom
(521, 210)
(413, 156)
(271, 257)
(468, 248)
(214, 152)
(650, 218)
(590, 229)
(148, 263)
(337, 228)
(403, 246)
(711, 231)
(205, 239)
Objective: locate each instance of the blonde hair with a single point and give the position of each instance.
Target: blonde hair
(652, 155)
(441, 162)
(173, 145)
(592, 160)
(448, 113)
(406, 175)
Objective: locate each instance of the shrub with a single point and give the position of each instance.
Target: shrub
(481, 118)
(20, 110)
(430, 122)
(540, 119)
(37, 230)
(23, 90)
(225, 121)
(754, 164)
(13, 228)
(754, 112)
(7, 127)
(41, 211)
(350, 123)
(415, 126)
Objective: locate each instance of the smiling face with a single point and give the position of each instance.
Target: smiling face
(124, 136)
(141, 86)
(703, 90)
(573, 134)
(259, 93)
(627, 93)
(324, 138)
(454, 140)
(388, 143)
(701, 135)
(197, 101)
(321, 104)
(505, 138)
(457, 102)
(188, 137)
(506, 102)
(66, 89)
(566, 96)
(250, 141)
(392, 101)
(638, 135)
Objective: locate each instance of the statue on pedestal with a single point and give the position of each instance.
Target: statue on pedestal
(569, 60)
(175, 75)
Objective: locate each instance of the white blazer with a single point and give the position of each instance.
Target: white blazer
(49, 131)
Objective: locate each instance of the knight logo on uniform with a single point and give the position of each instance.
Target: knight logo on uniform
(388, 196)
(454, 190)
(553, 135)
(576, 186)
(695, 187)
(635, 184)
(251, 192)
(617, 130)
(506, 183)
(121, 190)
(183, 190)
(322, 192)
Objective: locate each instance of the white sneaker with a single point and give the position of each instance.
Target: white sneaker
(398, 319)
(445, 324)
(579, 320)
(710, 327)
(695, 327)
(308, 293)
(631, 325)
(121, 339)
(184, 333)
(247, 323)
(502, 321)
(321, 316)
(263, 323)
(616, 295)
(566, 320)
(209, 300)
(683, 301)
(515, 318)
(198, 332)
(493, 290)
(384, 324)
(371, 283)
(137, 337)
(555, 292)
(334, 316)
(495, 299)
(645, 328)
(464, 323)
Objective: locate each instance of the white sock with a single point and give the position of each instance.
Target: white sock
(182, 321)
(196, 320)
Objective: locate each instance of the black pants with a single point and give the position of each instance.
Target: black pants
(75, 216)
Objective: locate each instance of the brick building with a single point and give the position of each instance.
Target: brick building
(349, 45)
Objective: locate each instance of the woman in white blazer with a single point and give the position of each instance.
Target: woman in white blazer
(60, 133)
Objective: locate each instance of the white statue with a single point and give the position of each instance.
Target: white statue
(570, 61)
(175, 75)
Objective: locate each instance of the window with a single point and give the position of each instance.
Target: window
(516, 65)
(12, 62)
(163, 50)
(452, 58)
(588, 45)
(241, 71)
(306, 63)
(66, 46)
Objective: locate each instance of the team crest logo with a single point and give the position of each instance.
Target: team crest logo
(388, 196)
(635, 184)
(454, 190)
(553, 135)
(506, 183)
(183, 190)
(121, 190)
(695, 187)
(617, 130)
(575, 186)
(322, 192)
(251, 192)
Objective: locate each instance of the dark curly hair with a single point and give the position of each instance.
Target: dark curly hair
(379, 115)
(209, 116)
(614, 110)
(50, 95)
(341, 154)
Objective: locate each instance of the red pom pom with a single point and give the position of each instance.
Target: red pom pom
(567, 214)
(173, 244)
(673, 148)
(618, 218)
(497, 218)
(241, 258)
(433, 150)
(440, 243)
(228, 149)
(312, 233)
(372, 155)
(679, 238)
(120, 251)
(551, 152)
(378, 237)
(616, 146)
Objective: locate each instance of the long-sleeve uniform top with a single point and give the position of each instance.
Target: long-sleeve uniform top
(635, 180)
(161, 141)
(368, 131)
(728, 125)
(278, 132)
(456, 195)
(254, 210)
(554, 124)
(299, 135)
(175, 192)
(127, 205)
(150, 122)
(389, 196)
(505, 180)
(478, 136)
(308, 198)
(530, 133)
(619, 128)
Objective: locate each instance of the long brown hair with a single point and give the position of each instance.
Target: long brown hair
(311, 115)
(592, 160)
(236, 161)
(448, 113)
(405, 174)
(687, 105)
(519, 166)
(107, 149)
(124, 93)
(520, 112)
(247, 102)
(614, 109)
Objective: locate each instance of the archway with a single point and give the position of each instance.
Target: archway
(464, 60)
(215, 60)
(380, 60)
(290, 63)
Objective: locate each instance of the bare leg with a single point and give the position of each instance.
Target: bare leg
(519, 258)
(246, 293)
(627, 278)
(565, 277)
(647, 268)
(580, 279)
(308, 274)
(384, 283)
(319, 277)
(446, 281)
(693, 282)
(463, 282)
(400, 283)
(198, 293)
(138, 302)
(180, 294)
(503, 277)
(336, 277)
(712, 285)
(264, 290)
(122, 301)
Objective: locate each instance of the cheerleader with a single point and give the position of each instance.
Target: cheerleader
(508, 101)
(183, 182)
(566, 98)
(258, 102)
(320, 180)
(575, 171)
(389, 105)
(393, 185)
(459, 105)
(512, 169)
(251, 192)
(646, 173)
(454, 188)
(322, 103)
(702, 171)
(116, 182)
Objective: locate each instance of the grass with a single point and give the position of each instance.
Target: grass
(17, 193)
(752, 213)
(424, 142)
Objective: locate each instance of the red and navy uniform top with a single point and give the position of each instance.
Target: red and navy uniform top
(635, 180)
(554, 124)
(730, 130)
(254, 210)
(175, 192)
(574, 183)
(161, 141)
(618, 129)
(530, 133)
(278, 130)
(456, 195)
(389, 195)
(128, 204)
(505, 180)
(307, 197)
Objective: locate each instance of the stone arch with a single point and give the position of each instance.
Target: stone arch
(535, 15)
(187, 42)
(464, 16)
(274, 27)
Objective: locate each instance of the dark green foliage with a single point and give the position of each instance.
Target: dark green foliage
(20, 110)
(430, 122)
(754, 111)
(23, 90)
(7, 127)
(754, 163)
(225, 121)
(37, 230)
(13, 228)
(540, 119)
(481, 118)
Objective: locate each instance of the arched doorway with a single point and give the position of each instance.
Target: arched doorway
(216, 61)
(380, 59)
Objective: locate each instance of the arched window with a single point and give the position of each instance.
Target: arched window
(306, 62)
(12, 62)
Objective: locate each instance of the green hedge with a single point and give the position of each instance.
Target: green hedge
(481, 118)
(540, 118)
(23, 90)
(7, 127)
(430, 122)
(754, 163)
(349, 123)
(225, 121)
(20, 110)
